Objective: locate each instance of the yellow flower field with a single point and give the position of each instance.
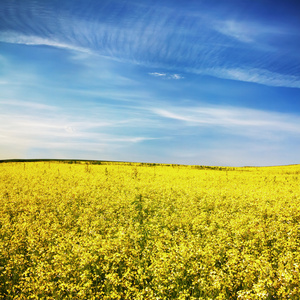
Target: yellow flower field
(138, 231)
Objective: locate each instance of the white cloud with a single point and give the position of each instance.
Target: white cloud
(172, 115)
(56, 129)
(31, 105)
(254, 75)
(176, 76)
(246, 31)
(241, 121)
(16, 38)
(166, 75)
(238, 30)
(156, 74)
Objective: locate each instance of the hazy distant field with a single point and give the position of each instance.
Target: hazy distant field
(132, 231)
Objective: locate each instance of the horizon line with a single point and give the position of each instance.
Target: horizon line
(131, 162)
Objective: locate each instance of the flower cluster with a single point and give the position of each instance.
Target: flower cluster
(137, 231)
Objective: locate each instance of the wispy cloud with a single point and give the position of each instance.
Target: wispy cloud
(17, 38)
(237, 30)
(29, 125)
(26, 104)
(147, 37)
(255, 75)
(156, 74)
(248, 31)
(166, 75)
(176, 76)
(241, 121)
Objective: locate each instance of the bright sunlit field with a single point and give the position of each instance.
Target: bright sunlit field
(138, 231)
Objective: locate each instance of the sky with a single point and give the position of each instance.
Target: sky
(185, 82)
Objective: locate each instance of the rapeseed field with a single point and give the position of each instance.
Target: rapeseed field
(138, 231)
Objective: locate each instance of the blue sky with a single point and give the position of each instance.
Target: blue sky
(190, 82)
